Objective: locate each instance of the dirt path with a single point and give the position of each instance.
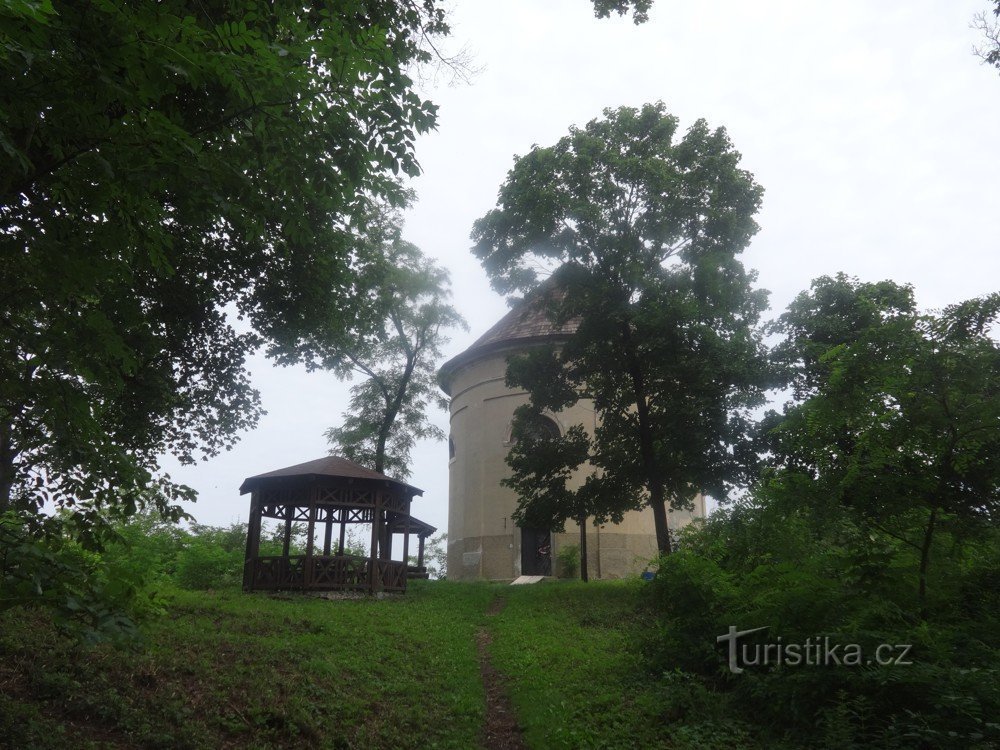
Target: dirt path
(501, 730)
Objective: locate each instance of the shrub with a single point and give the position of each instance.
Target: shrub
(205, 564)
(802, 585)
(568, 560)
(90, 595)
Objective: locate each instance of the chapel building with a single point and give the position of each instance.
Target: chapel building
(483, 540)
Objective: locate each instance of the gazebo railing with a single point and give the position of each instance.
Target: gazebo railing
(326, 573)
(392, 574)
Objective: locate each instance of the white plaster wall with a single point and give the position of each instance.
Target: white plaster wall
(483, 541)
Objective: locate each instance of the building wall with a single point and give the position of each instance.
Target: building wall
(483, 541)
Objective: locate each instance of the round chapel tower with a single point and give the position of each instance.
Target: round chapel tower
(483, 541)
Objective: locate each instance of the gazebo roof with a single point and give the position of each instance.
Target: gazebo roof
(328, 466)
(527, 323)
(411, 525)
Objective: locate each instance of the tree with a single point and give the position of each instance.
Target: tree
(639, 8)
(396, 357)
(543, 467)
(897, 413)
(165, 169)
(989, 51)
(645, 228)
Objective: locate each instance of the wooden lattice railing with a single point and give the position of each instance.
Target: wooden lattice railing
(326, 573)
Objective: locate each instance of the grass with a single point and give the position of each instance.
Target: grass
(226, 669)
(573, 655)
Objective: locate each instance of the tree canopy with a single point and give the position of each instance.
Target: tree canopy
(645, 228)
(897, 412)
(639, 8)
(182, 182)
(395, 358)
(989, 48)
(167, 170)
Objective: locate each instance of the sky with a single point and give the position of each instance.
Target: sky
(871, 125)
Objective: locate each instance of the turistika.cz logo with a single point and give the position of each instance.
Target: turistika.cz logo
(816, 651)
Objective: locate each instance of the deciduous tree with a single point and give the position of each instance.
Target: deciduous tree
(543, 468)
(645, 227)
(640, 9)
(166, 168)
(989, 48)
(897, 413)
(396, 358)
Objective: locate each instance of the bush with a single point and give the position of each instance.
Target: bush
(206, 564)
(801, 586)
(91, 595)
(101, 592)
(695, 600)
(568, 560)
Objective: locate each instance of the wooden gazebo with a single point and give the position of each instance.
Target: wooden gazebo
(328, 494)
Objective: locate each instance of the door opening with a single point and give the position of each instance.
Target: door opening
(536, 552)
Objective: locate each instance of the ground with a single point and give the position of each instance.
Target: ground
(448, 665)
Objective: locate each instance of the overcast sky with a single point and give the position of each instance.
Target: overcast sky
(870, 124)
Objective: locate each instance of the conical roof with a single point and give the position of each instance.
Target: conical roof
(328, 466)
(526, 324)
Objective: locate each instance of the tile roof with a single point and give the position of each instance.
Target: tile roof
(528, 322)
(328, 466)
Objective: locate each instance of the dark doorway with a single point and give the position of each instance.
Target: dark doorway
(536, 552)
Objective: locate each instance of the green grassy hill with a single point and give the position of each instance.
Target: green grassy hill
(226, 669)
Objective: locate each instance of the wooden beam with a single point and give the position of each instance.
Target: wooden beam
(374, 578)
(289, 512)
(310, 544)
(284, 569)
(406, 552)
(385, 553)
(328, 535)
(253, 543)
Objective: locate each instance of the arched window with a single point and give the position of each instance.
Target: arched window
(451, 449)
(539, 428)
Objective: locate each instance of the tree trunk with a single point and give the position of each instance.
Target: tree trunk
(925, 559)
(391, 410)
(582, 520)
(8, 451)
(658, 503)
(383, 435)
(657, 492)
(6, 465)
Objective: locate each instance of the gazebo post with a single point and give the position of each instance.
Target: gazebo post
(310, 544)
(343, 530)
(386, 548)
(374, 576)
(253, 543)
(286, 544)
(420, 552)
(285, 568)
(328, 534)
(406, 547)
